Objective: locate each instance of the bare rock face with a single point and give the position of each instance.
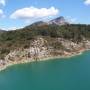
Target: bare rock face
(40, 49)
(36, 51)
(87, 44)
(59, 21)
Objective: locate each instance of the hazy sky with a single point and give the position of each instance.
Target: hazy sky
(19, 13)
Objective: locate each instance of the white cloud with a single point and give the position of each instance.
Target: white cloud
(1, 14)
(33, 12)
(2, 2)
(71, 20)
(87, 2)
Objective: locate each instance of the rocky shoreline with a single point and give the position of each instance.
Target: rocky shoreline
(3, 67)
(41, 51)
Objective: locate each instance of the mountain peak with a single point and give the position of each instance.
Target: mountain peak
(59, 21)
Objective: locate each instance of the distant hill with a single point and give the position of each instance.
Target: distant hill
(1, 31)
(39, 23)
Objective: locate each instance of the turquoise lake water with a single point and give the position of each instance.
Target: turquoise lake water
(59, 74)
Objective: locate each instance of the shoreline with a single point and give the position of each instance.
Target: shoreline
(9, 64)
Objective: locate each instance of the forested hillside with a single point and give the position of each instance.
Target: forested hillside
(22, 38)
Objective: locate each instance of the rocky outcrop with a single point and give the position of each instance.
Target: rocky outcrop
(59, 21)
(36, 51)
(40, 49)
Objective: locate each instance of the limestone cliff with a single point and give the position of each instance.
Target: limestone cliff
(40, 48)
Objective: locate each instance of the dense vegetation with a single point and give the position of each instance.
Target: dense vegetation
(22, 38)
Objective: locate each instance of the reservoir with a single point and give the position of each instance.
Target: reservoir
(57, 74)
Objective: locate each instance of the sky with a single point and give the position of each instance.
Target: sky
(19, 13)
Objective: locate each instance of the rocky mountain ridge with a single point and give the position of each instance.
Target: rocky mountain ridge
(59, 21)
(56, 21)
